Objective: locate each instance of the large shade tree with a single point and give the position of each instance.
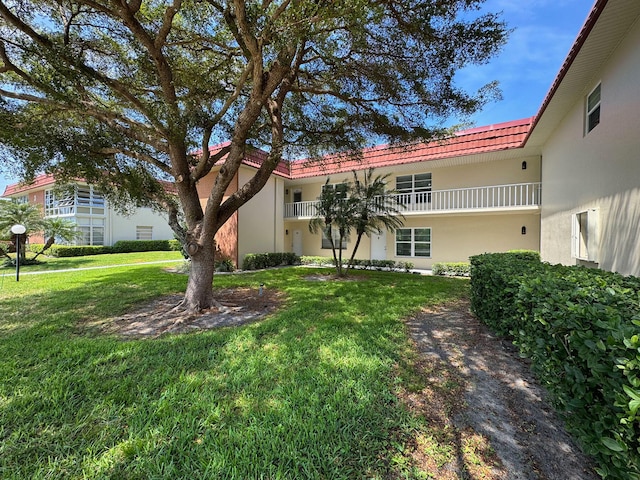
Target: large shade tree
(121, 92)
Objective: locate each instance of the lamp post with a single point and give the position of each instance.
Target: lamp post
(18, 230)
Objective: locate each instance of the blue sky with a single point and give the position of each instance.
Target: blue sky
(544, 31)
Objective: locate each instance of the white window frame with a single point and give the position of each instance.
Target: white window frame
(144, 232)
(335, 233)
(585, 235)
(412, 241)
(84, 199)
(593, 103)
(414, 194)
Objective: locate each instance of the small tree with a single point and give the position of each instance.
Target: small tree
(333, 213)
(365, 207)
(31, 217)
(58, 228)
(373, 208)
(26, 214)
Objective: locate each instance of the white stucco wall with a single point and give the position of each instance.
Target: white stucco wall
(599, 170)
(121, 227)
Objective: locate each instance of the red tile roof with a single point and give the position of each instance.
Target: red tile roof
(39, 182)
(491, 138)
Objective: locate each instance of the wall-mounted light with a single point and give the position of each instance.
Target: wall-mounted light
(524, 165)
(286, 232)
(523, 230)
(286, 191)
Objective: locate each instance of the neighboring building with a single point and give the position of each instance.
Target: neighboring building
(84, 205)
(471, 194)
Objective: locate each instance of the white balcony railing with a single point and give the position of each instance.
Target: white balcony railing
(495, 197)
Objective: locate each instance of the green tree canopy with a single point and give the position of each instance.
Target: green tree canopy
(121, 93)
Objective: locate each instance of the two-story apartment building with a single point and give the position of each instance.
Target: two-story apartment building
(99, 223)
(466, 195)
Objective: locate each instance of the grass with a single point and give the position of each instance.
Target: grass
(91, 261)
(310, 392)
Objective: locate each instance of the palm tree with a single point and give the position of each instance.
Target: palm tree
(60, 228)
(333, 213)
(374, 208)
(26, 214)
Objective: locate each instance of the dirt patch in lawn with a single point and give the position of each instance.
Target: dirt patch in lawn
(160, 316)
(499, 420)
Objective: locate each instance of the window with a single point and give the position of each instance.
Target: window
(336, 238)
(340, 189)
(413, 242)
(92, 230)
(22, 199)
(83, 199)
(144, 233)
(415, 188)
(58, 202)
(593, 109)
(584, 233)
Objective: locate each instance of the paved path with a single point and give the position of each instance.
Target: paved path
(505, 403)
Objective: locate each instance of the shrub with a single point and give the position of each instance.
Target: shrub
(452, 269)
(128, 246)
(581, 329)
(258, 261)
(77, 251)
(36, 247)
(319, 261)
(225, 265)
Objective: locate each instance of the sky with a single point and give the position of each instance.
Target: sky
(543, 33)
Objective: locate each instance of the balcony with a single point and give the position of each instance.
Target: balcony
(514, 197)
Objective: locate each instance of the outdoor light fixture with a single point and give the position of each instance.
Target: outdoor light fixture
(18, 230)
(524, 165)
(523, 230)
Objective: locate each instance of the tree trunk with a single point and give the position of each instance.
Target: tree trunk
(199, 293)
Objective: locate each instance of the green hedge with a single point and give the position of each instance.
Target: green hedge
(581, 329)
(451, 269)
(76, 251)
(128, 246)
(257, 261)
(122, 246)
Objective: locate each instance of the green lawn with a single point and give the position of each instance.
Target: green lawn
(92, 261)
(309, 392)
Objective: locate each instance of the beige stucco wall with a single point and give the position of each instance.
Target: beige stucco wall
(454, 238)
(261, 219)
(500, 172)
(600, 170)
